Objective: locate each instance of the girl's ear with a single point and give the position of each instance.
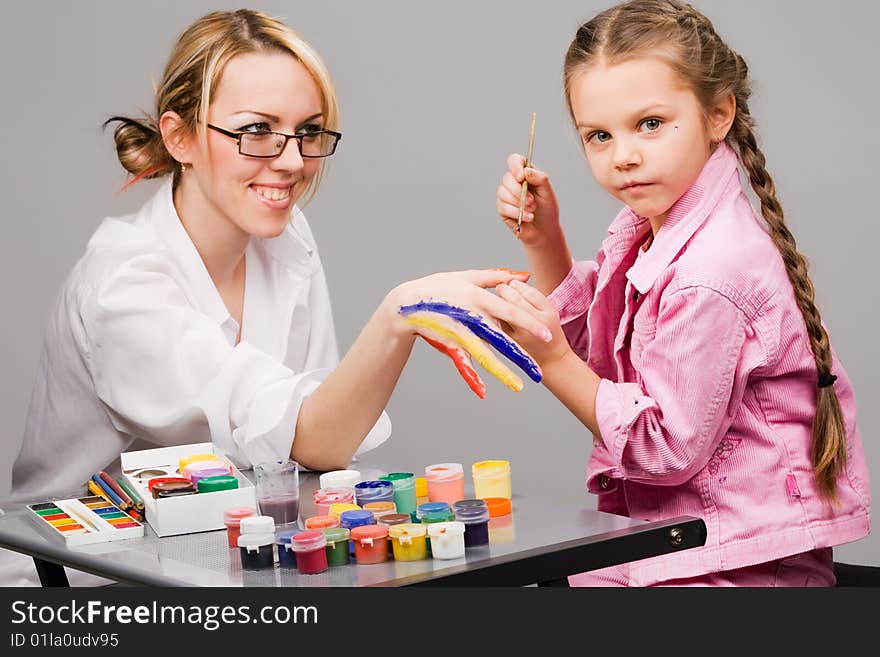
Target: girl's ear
(721, 116)
(177, 140)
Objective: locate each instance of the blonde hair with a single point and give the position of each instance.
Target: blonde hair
(687, 41)
(191, 77)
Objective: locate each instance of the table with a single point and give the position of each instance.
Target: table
(549, 535)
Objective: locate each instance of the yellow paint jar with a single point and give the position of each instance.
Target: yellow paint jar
(193, 458)
(408, 541)
(491, 479)
(336, 510)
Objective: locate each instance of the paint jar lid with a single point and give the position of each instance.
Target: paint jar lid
(373, 489)
(434, 511)
(394, 519)
(177, 492)
(380, 508)
(286, 535)
(321, 522)
(343, 478)
(440, 472)
(407, 531)
(400, 480)
(337, 495)
(338, 509)
(309, 540)
(336, 534)
(183, 487)
(482, 469)
(212, 471)
(356, 518)
(257, 525)
(155, 481)
(255, 540)
(213, 484)
(471, 511)
(451, 528)
(234, 515)
(193, 458)
(421, 487)
(498, 506)
(198, 466)
(369, 533)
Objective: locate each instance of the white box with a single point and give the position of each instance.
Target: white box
(186, 514)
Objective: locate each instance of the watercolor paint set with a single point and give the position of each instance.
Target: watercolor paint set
(164, 479)
(85, 520)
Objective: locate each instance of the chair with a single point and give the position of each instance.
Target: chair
(856, 574)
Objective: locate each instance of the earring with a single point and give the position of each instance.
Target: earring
(182, 167)
(676, 128)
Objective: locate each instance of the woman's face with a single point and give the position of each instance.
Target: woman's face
(257, 91)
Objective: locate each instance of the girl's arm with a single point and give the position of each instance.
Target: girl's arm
(337, 416)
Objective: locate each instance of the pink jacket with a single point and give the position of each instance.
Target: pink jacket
(708, 384)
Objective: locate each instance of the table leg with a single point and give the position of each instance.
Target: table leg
(51, 574)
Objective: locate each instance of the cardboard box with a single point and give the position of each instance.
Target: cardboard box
(186, 514)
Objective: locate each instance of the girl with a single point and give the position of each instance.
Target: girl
(691, 348)
(206, 315)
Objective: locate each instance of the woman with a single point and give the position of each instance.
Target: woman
(206, 315)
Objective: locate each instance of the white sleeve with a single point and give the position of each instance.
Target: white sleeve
(167, 373)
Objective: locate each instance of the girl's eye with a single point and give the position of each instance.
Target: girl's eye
(310, 127)
(650, 125)
(260, 126)
(598, 137)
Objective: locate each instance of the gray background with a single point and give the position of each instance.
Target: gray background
(434, 96)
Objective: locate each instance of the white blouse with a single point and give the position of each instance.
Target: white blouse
(141, 346)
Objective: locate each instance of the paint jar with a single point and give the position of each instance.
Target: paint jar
(337, 545)
(257, 551)
(475, 516)
(421, 493)
(204, 473)
(432, 512)
(391, 519)
(491, 479)
(324, 497)
(498, 506)
(321, 522)
(352, 519)
(286, 555)
(155, 481)
(339, 479)
(214, 467)
(213, 484)
(194, 458)
(404, 491)
(373, 490)
(231, 518)
(379, 509)
(277, 485)
(311, 555)
(445, 482)
(338, 509)
(408, 541)
(172, 488)
(370, 543)
(447, 539)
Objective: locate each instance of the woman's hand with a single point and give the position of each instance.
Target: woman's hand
(529, 300)
(541, 210)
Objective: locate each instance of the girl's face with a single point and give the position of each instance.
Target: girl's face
(257, 91)
(644, 132)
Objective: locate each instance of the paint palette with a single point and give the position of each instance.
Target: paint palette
(84, 520)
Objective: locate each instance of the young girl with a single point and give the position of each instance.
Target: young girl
(691, 348)
(206, 315)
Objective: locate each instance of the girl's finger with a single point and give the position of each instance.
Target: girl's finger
(508, 312)
(485, 278)
(512, 294)
(515, 163)
(511, 211)
(532, 295)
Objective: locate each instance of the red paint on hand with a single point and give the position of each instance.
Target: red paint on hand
(462, 364)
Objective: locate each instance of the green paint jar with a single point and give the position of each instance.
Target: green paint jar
(404, 491)
(337, 545)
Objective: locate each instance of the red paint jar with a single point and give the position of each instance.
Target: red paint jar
(311, 557)
(370, 543)
(232, 520)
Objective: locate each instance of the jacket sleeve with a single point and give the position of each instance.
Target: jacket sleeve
(664, 429)
(572, 299)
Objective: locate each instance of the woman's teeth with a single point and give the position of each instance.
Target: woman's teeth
(272, 193)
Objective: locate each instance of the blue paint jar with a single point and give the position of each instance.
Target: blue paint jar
(373, 490)
(475, 516)
(351, 519)
(286, 555)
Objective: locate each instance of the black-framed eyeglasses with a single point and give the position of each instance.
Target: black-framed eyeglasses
(316, 143)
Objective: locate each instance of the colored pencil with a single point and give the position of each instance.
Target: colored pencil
(95, 489)
(109, 492)
(116, 488)
(132, 493)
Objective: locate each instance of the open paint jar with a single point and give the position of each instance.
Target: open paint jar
(491, 479)
(404, 491)
(445, 482)
(324, 498)
(373, 490)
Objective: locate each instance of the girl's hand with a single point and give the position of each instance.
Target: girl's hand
(531, 301)
(468, 290)
(541, 210)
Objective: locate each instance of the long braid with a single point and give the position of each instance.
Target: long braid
(829, 433)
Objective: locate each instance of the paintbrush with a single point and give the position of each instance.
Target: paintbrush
(525, 184)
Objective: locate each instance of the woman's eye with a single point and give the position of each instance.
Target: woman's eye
(598, 137)
(310, 127)
(650, 125)
(260, 126)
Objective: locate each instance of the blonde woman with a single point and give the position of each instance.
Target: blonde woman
(206, 315)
